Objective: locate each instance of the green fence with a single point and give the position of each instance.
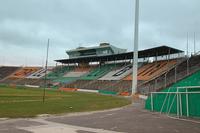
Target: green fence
(180, 103)
(167, 100)
(107, 92)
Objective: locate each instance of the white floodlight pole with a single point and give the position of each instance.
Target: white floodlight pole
(187, 54)
(187, 45)
(194, 43)
(135, 54)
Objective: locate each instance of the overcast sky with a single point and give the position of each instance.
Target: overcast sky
(25, 26)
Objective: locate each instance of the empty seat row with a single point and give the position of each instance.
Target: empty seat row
(24, 72)
(6, 71)
(150, 70)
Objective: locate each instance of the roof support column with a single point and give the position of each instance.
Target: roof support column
(169, 52)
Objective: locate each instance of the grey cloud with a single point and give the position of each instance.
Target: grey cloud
(25, 25)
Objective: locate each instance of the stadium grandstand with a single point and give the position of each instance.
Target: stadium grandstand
(112, 72)
(102, 68)
(107, 69)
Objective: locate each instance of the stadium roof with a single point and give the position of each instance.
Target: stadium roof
(152, 52)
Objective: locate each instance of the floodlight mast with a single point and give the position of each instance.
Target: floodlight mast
(45, 80)
(194, 43)
(135, 53)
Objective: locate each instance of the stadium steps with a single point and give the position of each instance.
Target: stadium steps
(59, 71)
(24, 72)
(98, 72)
(75, 74)
(152, 70)
(65, 80)
(155, 69)
(118, 74)
(39, 74)
(107, 85)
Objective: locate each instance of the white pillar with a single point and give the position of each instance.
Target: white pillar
(135, 54)
(187, 45)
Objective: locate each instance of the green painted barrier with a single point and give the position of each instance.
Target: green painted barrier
(107, 92)
(170, 100)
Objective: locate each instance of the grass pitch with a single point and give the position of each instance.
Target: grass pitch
(27, 102)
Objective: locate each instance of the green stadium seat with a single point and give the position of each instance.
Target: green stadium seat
(98, 72)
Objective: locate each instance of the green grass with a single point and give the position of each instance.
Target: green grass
(27, 102)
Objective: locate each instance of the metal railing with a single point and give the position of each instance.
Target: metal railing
(177, 94)
(166, 81)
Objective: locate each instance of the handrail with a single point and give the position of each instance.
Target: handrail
(193, 69)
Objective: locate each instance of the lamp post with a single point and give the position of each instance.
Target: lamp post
(194, 43)
(187, 55)
(45, 80)
(135, 53)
